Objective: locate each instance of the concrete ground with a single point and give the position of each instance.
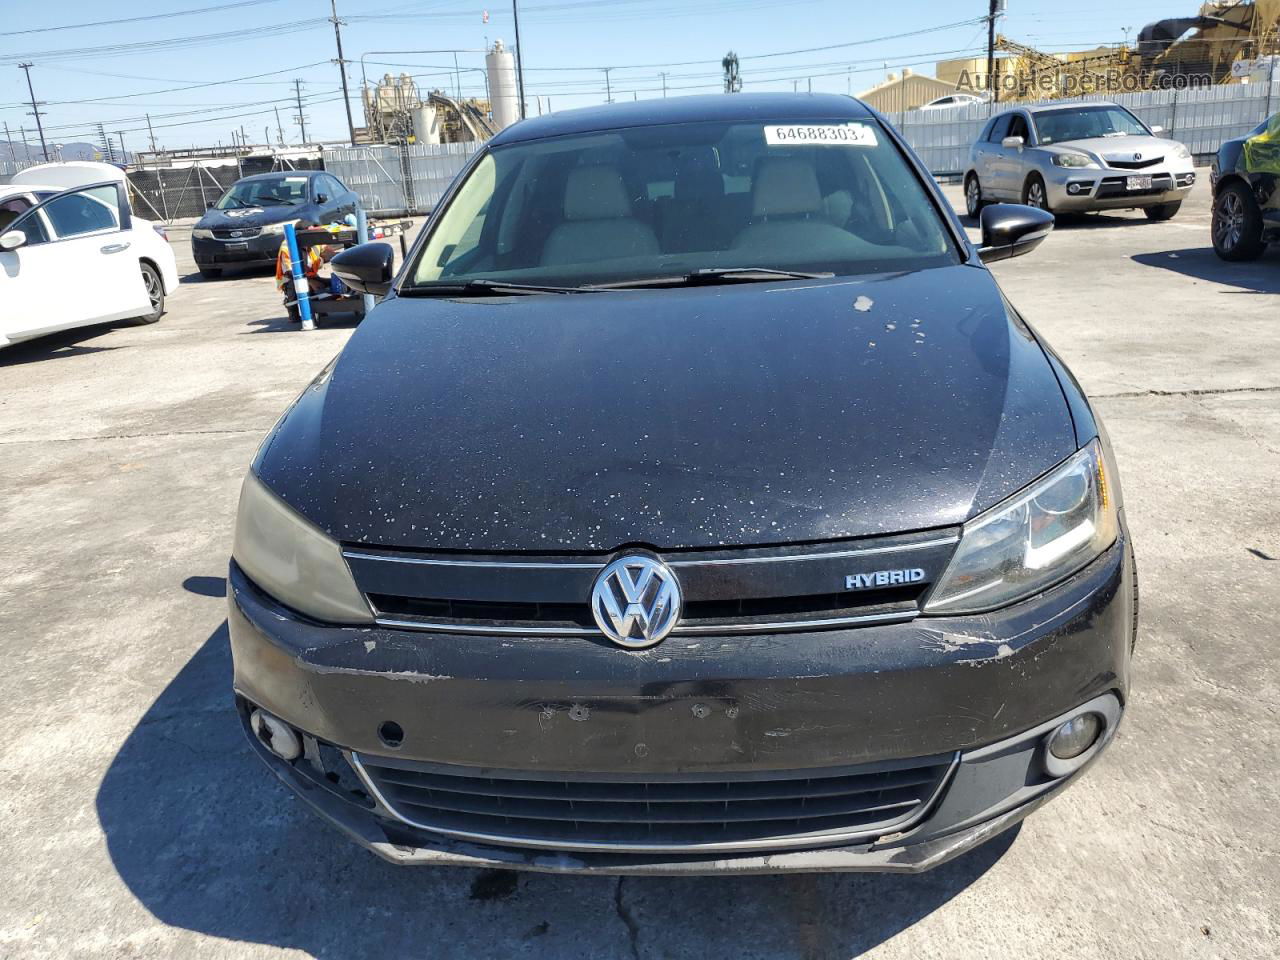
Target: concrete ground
(138, 824)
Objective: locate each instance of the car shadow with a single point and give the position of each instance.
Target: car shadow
(230, 273)
(209, 841)
(1201, 263)
(282, 324)
(52, 346)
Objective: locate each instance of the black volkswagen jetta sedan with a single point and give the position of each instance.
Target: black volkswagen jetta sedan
(694, 501)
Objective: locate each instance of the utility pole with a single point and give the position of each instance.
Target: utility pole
(608, 91)
(279, 129)
(35, 108)
(124, 154)
(992, 87)
(151, 133)
(515, 15)
(13, 154)
(664, 85)
(342, 69)
(302, 120)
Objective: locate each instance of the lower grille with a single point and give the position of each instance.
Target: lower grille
(652, 813)
(1118, 187)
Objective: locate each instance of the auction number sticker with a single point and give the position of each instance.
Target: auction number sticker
(832, 134)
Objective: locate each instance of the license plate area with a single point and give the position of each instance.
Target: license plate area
(1137, 183)
(244, 247)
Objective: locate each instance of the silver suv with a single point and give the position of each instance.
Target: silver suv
(1077, 157)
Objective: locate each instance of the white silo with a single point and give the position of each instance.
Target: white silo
(503, 100)
(426, 124)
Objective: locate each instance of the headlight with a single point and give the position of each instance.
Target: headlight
(200, 233)
(1019, 547)
(293, 561)
(1072, 160)
(1181, 152)
(276, 229)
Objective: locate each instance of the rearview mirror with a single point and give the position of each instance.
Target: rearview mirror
(1013, 143)
(367, 268)
(1011, 229)
(12, 240)
(322, 198)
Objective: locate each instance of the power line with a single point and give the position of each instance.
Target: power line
(191, 86)
(142, 46)
(152, 16)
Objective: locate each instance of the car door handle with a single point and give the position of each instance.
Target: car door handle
(114, 248)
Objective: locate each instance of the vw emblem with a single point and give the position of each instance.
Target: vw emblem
(636, 601)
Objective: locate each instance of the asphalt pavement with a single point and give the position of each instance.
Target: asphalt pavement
(138, 824)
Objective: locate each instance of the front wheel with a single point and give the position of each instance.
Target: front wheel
(155, 293)
(1162, 211)
(1237, 224)
(972, 195)
(1035, 195)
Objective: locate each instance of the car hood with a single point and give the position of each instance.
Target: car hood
(1118, 148)
(240, 217)
(689, 417)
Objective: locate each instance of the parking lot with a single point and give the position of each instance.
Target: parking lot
(138, 823)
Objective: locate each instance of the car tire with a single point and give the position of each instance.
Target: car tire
(1162, 211)
(973, 201)
(155, 291)
(210, 273)
(1035, 194)
(1237, 224)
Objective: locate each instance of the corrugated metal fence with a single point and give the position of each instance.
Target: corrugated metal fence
(1200, 117)
(399, 179)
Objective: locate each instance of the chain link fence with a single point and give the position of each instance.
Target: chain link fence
(407, 179)
(1200, 117)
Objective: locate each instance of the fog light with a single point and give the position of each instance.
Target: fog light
(1075, 736)
(276, 735)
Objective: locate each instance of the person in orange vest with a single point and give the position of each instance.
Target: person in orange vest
(313, 259)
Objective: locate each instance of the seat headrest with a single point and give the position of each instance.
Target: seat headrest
(595, 193)
(698, 178)
(785, 186)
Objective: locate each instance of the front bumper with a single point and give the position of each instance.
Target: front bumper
(1080, 189)
(253, 250)
(988, 687)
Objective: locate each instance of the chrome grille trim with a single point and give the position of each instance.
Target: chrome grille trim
(829, 837)
(780, 626)
(550, 565)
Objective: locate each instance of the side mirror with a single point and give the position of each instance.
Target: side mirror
(367, 268)
(1010, 229)
(1157, 130)
(322, 198)
(209, 204)
(1013, 143)
(12, 240)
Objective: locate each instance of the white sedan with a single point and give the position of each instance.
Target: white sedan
(78, 256)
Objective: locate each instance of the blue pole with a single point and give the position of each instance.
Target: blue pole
(301, 291)
(362, 236)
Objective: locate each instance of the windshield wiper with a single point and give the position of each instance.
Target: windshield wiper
(709, 276)
(484, 287)
(279, 200)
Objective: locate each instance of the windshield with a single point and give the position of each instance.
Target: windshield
(1055, 126)
(271, 192)
(650, 202)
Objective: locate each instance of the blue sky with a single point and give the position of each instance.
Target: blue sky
(246, 75)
